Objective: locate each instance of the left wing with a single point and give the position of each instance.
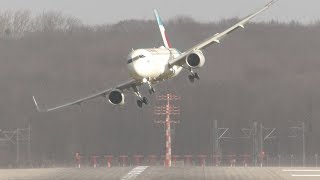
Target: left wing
(122, 87)
(217, 37)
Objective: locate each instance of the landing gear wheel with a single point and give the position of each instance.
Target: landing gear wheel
(196, 76)
(145, 100)
(139, 103)
(191, 78)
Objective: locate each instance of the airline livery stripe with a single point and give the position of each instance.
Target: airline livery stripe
(168, 42)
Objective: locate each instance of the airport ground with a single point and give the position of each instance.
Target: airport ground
(159, 173)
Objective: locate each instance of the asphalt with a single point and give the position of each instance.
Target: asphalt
(161, 173)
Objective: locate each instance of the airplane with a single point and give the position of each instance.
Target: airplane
(148, 67)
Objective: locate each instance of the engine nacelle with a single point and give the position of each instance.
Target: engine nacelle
(196, 59)
(116, 97)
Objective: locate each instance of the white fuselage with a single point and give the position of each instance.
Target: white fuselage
(152, 64)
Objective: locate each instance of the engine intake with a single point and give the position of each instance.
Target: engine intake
(196, 59)
(116, 97)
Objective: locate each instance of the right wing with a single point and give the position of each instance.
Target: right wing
(180, 60)
(122, 87)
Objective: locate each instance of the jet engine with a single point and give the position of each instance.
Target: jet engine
(196, 59)
(116, 97)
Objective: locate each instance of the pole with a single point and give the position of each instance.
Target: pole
(215, 138)
(303, 145)
(255, 143)
(18, 148)
(168, 134)
(261, 144)
(29, 142)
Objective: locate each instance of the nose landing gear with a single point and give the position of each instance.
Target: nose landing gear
(151, 89)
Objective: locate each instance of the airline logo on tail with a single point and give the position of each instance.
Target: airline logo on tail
(164, 35)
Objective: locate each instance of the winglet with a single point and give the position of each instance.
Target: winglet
(162, 29)
(36, 104)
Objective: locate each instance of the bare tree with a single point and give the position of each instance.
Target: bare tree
(72, 23)
(49, 21)
(6, 23)
(21, 23)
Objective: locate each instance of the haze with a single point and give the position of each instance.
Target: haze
(101, 11)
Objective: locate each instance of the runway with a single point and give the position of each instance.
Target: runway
(161, 173)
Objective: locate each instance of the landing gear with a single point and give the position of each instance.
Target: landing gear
(139, 103)
(151, 90)
(141, 100)
(193, 76)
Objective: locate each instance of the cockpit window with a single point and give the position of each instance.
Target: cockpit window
(129, 61)
(135, 58)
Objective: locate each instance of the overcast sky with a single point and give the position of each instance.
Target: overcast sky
(111, 11)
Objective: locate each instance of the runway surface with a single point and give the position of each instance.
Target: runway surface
(161, 173)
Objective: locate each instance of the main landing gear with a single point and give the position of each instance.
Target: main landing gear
(141, 100)
(193, 76)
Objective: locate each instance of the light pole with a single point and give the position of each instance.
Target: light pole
(302, 128)
(303, 145)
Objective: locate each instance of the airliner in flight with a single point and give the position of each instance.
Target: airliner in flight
(148, 67)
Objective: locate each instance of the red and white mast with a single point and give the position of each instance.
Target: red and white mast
(167, 110)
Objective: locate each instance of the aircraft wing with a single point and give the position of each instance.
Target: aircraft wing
(122, 87)
(180, 60)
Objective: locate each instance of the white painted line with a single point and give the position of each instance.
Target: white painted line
(135, 172)
(301, 170)
(305, 175)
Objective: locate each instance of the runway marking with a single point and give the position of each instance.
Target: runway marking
(301, 170)
(305, 175)
(134, 172)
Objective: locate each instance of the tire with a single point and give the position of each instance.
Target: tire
(139, 103)
(145, 100)
(196, 76)
(191, 78)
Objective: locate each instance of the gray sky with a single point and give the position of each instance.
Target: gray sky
(106, 11)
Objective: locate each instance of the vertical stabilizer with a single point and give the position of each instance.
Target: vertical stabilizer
(162, 29)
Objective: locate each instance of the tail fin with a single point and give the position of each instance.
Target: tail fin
(162, 29)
